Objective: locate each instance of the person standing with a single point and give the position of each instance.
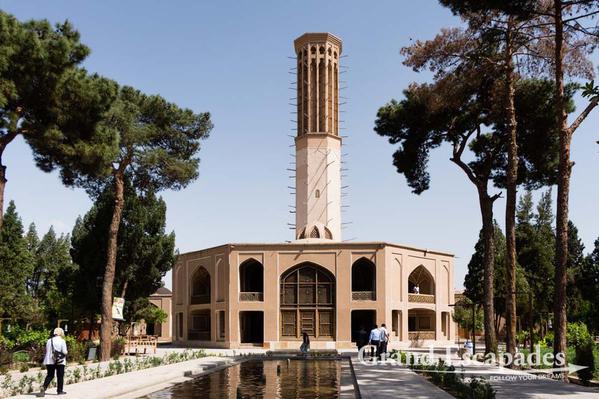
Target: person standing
(384, 339)
(305, 347)
(55, 361)
(362, 337)
(375, 340)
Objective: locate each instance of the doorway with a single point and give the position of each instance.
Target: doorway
(251, 325)
(362, 319)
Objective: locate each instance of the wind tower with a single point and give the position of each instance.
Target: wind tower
(317, 144)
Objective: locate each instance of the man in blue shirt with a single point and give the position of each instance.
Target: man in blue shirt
(375, 340)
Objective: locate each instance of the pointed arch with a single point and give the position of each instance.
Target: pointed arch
(307, 302)
(363, 282)
(200, 286)
(251, 280)
(421, 281)
(314, 233)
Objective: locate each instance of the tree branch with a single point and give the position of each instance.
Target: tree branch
(583, 114)
(457, 157)
(7, 138)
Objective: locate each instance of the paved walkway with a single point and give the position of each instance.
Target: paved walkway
(394, 381)
(390, 381)
(510, 384)
(136, 383)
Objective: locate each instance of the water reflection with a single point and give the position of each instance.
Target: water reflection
(263, 379)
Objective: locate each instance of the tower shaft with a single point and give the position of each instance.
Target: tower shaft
(318, 145)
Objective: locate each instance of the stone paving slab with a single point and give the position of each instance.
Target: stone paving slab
(122, 385)
(387, 381)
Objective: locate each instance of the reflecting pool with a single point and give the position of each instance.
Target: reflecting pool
(262, 379)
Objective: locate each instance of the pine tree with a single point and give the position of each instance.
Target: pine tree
(145, 252)
(16, 266)
(588, 282)
(52, 261)
(158, 150)
(578, 309)
(49, 100)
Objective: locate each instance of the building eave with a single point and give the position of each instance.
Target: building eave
(294, 245)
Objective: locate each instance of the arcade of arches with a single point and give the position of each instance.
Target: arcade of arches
(267, 297)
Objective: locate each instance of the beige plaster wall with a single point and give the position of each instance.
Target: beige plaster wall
(393, 267)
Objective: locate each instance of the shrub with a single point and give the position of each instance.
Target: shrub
(585, 357)
(481, 389)
(32, 341)
(118, 345)
(578, 334)
(76, 349)
(547, 341)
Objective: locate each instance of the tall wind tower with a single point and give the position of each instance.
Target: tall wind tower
(317, 144)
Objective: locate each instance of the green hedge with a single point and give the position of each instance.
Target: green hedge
(445, 377)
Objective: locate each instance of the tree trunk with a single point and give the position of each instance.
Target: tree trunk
(510, 206)
(10, 135)
(563, 188)
(111, 252)
(486, 208)
(2, 185)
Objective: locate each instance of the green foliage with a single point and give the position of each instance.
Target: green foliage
(21, 357)
(52, 263)
(578, 302)
(480, 389)
(158, 142)
(473, 281)
(587, 281)
(144, 251)
(27, 384)
(453, 108)
(77, 350)
(463, 315)
(151, 314)
(32, 341)
(590, 90)
(535, 253)
(46, 97)
(585, 357)
(118, 344)
(578, 334)
(16, 267)
(445, 377)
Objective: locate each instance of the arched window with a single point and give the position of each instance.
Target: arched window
(327, 234)
(200, 286)
(251, 280)
(363, 280)
(420, 281)
(308, 302)
(302, 235)
(314, 233)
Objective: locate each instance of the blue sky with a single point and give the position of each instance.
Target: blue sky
(231, 58)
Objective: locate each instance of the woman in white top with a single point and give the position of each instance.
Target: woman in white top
(55, 360)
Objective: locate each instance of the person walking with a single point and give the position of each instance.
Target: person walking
(55, 361)
(375, 340)
(384, 339)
